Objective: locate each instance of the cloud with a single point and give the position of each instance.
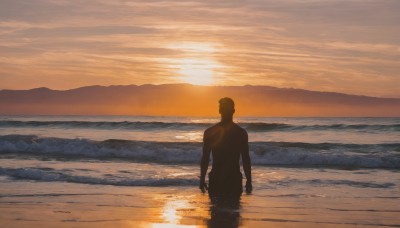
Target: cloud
(82, 31)
(348, 46)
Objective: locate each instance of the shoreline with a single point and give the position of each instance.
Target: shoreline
(25, 203)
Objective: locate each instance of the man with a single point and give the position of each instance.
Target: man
(227, 142)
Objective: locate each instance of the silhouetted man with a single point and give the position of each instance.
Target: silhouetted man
(227, 142)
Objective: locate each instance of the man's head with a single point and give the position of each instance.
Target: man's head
(226, 106)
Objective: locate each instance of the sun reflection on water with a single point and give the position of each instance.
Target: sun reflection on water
(190, 136)
(186, 211)
(170, 213)
(164, 225)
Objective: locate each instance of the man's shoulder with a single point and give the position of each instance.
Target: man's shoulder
(212, 128)
(240, 129)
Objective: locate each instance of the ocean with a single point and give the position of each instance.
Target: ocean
(297, 160)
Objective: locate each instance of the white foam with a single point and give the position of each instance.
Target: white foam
(262, 153)
(50, 176)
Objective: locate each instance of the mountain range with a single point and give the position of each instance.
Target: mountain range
(192, 100)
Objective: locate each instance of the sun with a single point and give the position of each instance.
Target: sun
(197, 65)
(197, 71)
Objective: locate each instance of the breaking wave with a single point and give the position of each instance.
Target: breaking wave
(385, 156)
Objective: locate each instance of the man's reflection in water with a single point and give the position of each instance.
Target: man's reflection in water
(225, 211)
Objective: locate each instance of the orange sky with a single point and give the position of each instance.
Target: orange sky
(347, 46)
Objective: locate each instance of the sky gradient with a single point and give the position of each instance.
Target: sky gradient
(348, 46)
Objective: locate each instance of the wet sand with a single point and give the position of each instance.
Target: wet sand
(60, 204)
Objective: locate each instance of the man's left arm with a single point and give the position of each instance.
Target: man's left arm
(247, 163)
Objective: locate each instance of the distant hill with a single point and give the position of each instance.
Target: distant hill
(185, 99)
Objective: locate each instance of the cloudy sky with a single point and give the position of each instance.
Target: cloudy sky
(350, 46)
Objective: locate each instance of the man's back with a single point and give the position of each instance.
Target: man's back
(227, 142)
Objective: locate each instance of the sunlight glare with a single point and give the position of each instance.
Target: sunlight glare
(197, 64)
(197, 71)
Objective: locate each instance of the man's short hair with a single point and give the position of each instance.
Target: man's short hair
(227, 103)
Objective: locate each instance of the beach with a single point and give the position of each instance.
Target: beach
(143, 172)
(292, 198)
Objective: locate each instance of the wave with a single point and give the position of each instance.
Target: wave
(48, 176)
(104, 125)
(284, 127)
(262, 153)
(138, 125)
(54, 175)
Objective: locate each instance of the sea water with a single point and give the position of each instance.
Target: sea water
(293, 158)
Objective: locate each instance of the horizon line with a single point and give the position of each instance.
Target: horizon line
(189, 84)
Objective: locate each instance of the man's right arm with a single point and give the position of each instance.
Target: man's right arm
(205, 158)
